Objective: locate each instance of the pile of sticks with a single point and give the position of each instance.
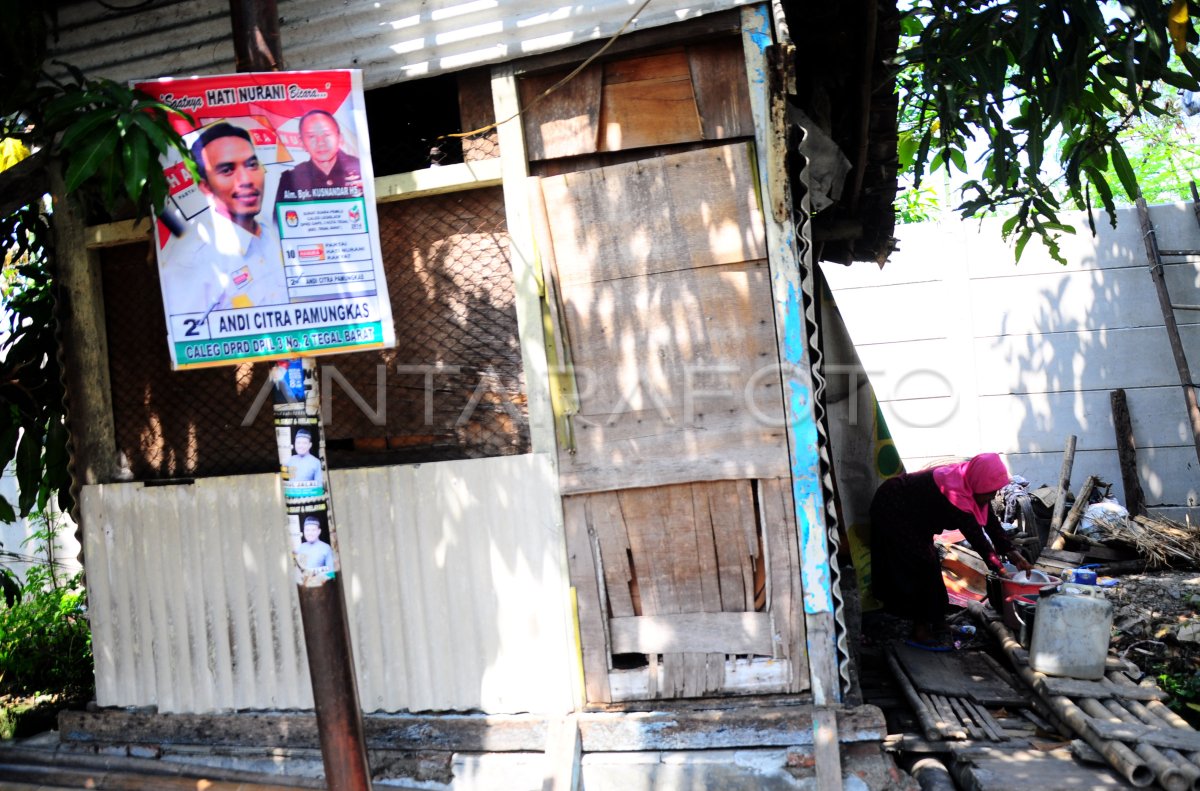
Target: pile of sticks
(1163, 542)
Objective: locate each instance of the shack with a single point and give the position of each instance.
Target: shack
(591, 482)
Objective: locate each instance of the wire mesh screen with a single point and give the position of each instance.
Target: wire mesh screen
(453, 387)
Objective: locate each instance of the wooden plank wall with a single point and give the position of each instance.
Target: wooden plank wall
(1015, 357)
(666, 301)
(678, 95)
(688, 572)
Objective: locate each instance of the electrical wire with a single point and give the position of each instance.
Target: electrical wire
(612, 40)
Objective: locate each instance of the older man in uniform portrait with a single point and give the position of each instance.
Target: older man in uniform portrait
(227, 258)
(329, 172)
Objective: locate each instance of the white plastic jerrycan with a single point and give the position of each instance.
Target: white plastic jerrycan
(1071, 633)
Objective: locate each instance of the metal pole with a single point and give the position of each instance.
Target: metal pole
(300, 439)
(258, 47)
(256, 42)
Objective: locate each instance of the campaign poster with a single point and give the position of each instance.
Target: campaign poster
(274, 251)
(301, 446)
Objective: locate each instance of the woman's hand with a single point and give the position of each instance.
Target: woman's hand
(1018, 560)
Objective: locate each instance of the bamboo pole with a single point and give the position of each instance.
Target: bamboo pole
(1125, 711)
(1081, 504)
(931, 726)
(1064, 485)
(1143, 713)
(1170, 776)
(1125, 761)
(1154, 259)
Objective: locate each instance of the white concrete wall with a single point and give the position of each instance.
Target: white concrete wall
(969, 351)
(17, 553)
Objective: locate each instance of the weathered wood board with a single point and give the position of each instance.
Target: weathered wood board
(676, 95)
(679, 566)
(666, 302)
(1021, 770)
(965, 674)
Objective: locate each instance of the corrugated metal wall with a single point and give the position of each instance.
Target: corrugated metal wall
(390, 41)
(453, 572)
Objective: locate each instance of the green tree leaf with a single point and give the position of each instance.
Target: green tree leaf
(135, 154)
(90, 158)
(29, 469)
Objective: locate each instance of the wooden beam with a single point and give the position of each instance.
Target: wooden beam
(701, 632)
(791, 334)
(439, 180)
(529, 288)
(400, 186)
(742, 724)
(1064, 486)
(1135, 498)
(84, 345)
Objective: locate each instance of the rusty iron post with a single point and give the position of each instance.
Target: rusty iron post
(300, 440)
(258, 47)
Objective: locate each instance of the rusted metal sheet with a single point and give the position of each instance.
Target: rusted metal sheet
(453, 572)
(390, 41)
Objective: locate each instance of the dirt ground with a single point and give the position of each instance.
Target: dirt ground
(1156, 625)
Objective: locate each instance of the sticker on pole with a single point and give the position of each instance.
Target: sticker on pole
(274, 251)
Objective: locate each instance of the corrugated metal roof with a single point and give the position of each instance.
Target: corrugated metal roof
(390, 41)
(454, 575)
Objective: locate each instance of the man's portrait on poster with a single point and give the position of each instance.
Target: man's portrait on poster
(303, 466)
(313, 552)
(227, 258)
(329, 172)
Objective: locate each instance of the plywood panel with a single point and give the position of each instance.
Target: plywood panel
(565, 123)
(688, 624)
(720, 633)
(648, 101)
(693, 209)
(719, 82)
(678, 372)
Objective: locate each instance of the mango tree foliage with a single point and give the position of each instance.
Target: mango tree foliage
(1049, 88)
(106, 138)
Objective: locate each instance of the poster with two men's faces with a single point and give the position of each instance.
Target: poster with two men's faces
(273, 252)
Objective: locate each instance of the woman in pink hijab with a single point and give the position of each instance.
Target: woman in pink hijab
(908, 511)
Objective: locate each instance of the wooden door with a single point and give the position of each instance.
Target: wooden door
(673, 455)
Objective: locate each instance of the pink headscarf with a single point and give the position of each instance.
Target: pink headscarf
(961, 482)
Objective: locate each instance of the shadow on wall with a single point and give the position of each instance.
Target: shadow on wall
(1095, 326)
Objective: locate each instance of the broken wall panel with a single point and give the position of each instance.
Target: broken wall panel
(696, 635)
